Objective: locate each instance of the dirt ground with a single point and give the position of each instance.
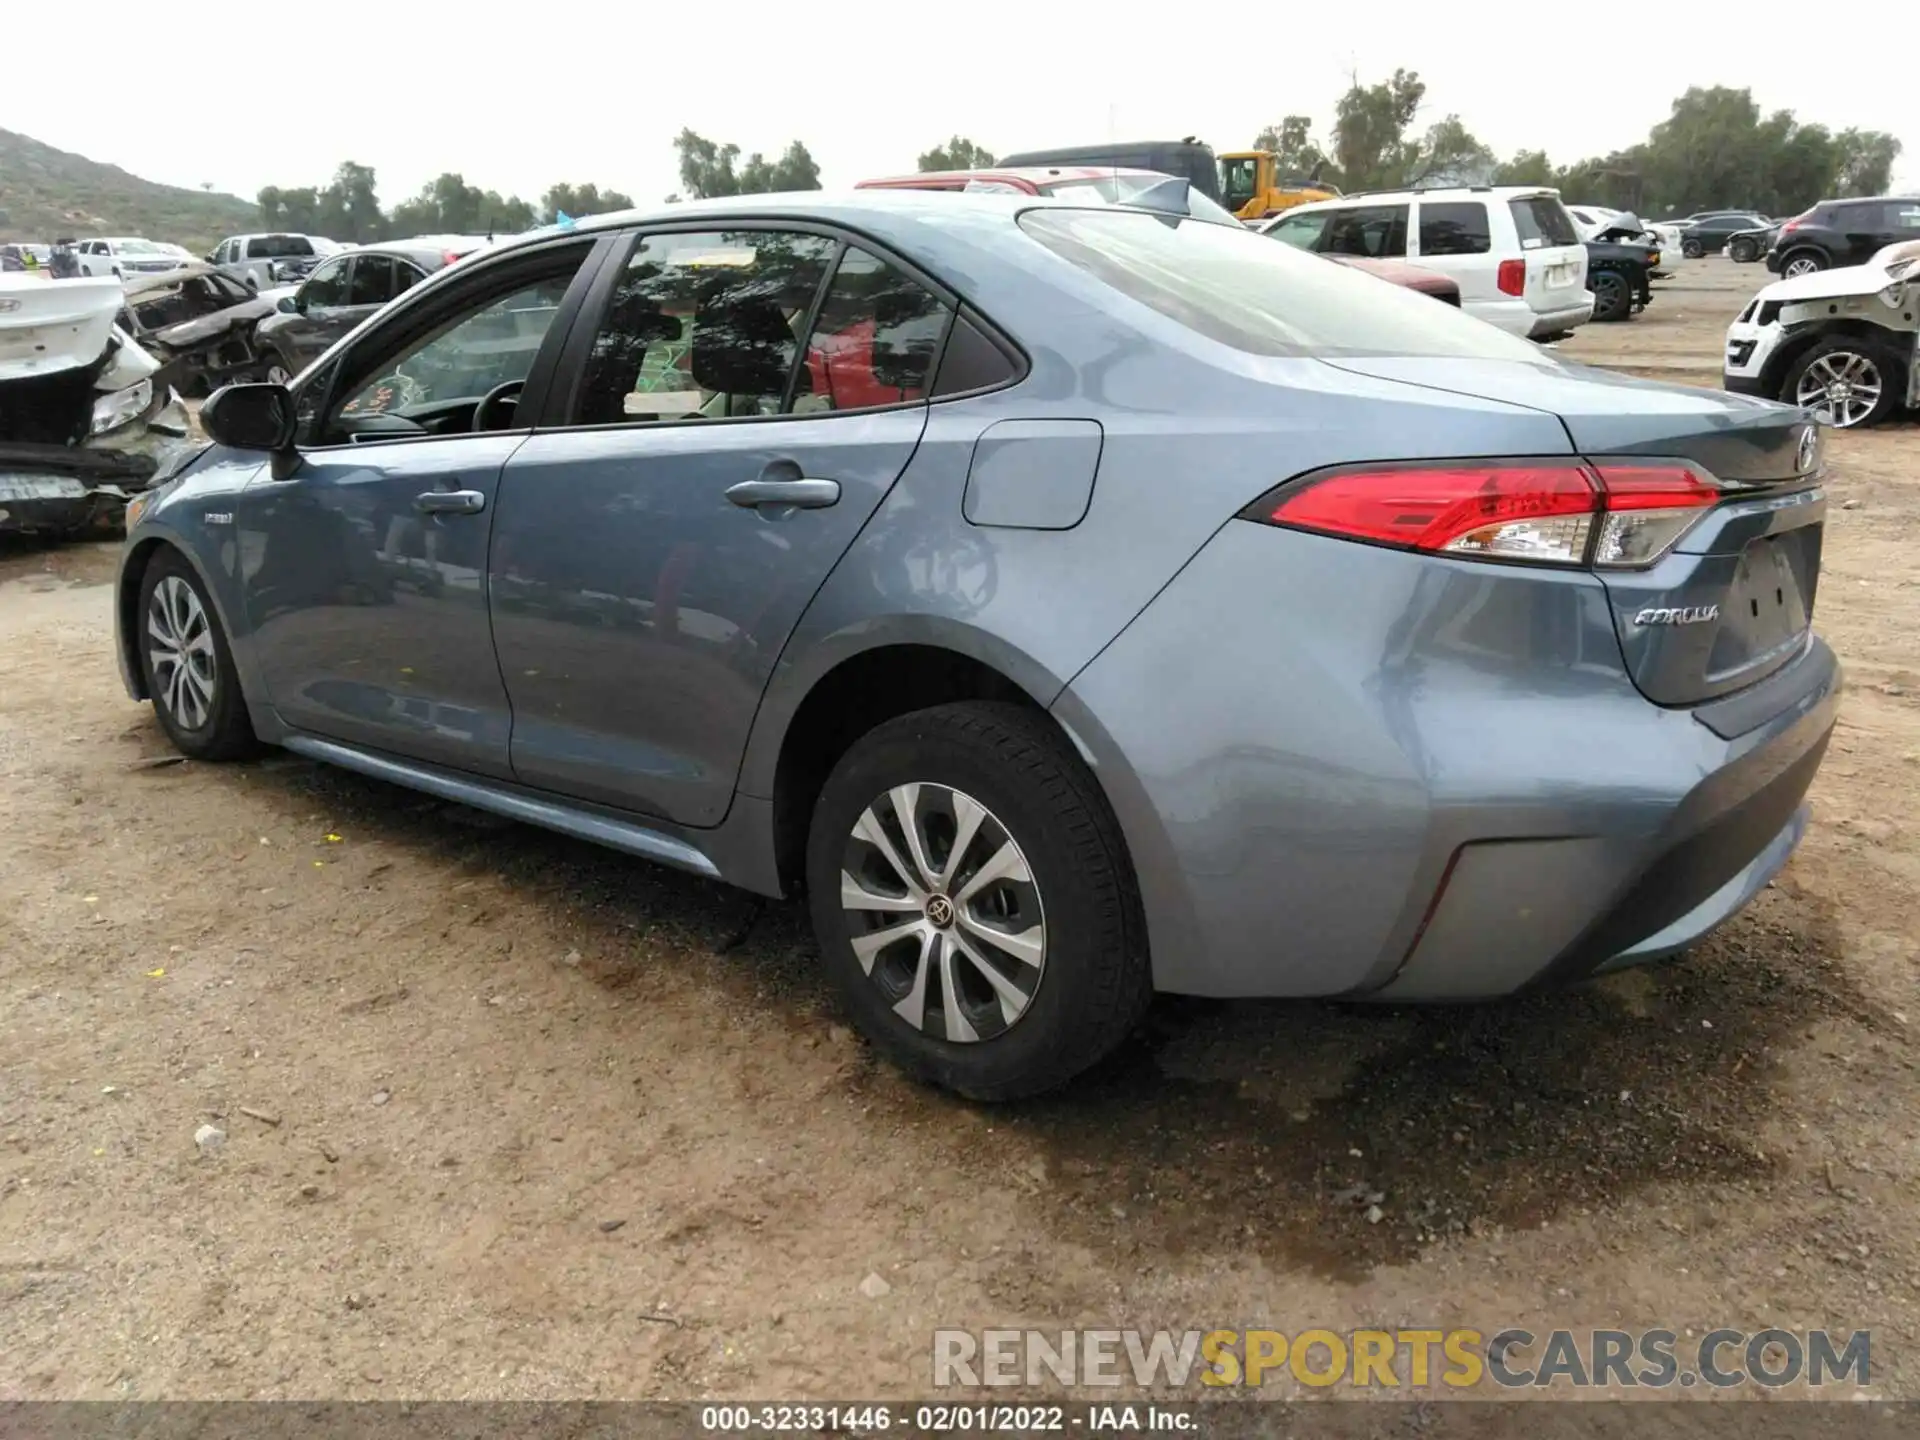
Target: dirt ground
(509, 1116)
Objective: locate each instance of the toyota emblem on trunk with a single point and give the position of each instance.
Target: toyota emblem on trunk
(1809, 449)
(7, 307)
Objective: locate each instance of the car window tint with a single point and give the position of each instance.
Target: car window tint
(703, 326)
(406, 275)
(372, 282)
(1301, 230)
(1239, 289)
(1542, 220)
(874, 341)
(467, 356)
(1378, 232)
(1457, 227)
(326, 286)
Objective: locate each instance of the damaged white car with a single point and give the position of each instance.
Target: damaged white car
(83, 425)
(1844, 343)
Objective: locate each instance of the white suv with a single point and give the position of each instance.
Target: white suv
(1512, 249)
(124, 255)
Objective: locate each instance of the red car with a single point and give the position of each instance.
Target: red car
(1117, 186)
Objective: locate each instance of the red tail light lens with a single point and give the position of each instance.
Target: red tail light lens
(1512, 278)
(1548, 512)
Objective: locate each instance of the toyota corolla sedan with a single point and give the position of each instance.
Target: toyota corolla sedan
(1071, 602)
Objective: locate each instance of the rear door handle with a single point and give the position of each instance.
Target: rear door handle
(450, 502)
(800, 494)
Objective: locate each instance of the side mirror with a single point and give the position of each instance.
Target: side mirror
(249, 417)
(288, 304)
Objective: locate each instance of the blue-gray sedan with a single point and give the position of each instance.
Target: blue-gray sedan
(1073, 602)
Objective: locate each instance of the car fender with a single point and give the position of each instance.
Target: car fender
(193, 513)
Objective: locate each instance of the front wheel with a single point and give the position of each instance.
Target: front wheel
(1846, 381)
(278, 371)
(974, 902)
(1742, 252)
(188, 666)
(1692, 249)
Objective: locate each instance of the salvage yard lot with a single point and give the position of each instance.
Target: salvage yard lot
(509, 1116)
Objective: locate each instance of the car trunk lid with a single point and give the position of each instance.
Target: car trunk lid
(1732, 600)
(47, 327)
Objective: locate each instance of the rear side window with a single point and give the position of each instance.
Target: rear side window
(1378, 232)
(1454, 228)
(1240, 289)
(1542, 220)
(732, 324)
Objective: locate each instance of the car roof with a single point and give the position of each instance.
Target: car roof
(1033, 174)
(1445, 193)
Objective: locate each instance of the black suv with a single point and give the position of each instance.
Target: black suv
(1843, 232)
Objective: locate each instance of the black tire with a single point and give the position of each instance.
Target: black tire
(1742, 252)
(1804, 261)
(1093, 982)
(270, 359)
(1692, 249)
(1890, 373)
(219, 728)
(1612, 295)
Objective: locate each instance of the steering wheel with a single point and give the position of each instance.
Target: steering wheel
(499, 395)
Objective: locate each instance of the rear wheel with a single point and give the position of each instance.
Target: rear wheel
(1803, 262)
(1612, 295)
(187, 666)
(1742, 252)
(1847, 381)
(974, 902)
(1692, 249)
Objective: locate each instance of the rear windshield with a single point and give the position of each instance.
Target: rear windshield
(278, 247)
(1542, 220)
(1240, 289)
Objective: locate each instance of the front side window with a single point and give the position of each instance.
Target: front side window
(326, 287)
(467, 356)
(1303, 231)
(1454, 228)
(1241, 290)
(1378, 232)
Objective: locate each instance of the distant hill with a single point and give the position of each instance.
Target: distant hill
(46, 193)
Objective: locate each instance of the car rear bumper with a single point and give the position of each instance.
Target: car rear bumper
(1563, 318)
(1344, 770)
(1518, 317)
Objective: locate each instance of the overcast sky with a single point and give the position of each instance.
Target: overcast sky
(515, 97)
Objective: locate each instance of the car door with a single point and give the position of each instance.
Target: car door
(318, 307)
(715, 454)
(366, 569)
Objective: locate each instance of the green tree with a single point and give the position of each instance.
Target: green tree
(1528, 167)
(959, 153)
(579, 201)
(1863, 162)
(707, 168)
(1370, 128)
(1295, 152)
(349, 206)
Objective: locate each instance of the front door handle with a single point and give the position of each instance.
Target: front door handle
(450, 502)
(800, 494)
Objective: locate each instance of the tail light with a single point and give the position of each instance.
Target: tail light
(1795, 223)
(1608, 514)
(1512, 278)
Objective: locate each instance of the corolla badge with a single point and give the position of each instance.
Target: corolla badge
(1809, 449)
(1677, 615)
